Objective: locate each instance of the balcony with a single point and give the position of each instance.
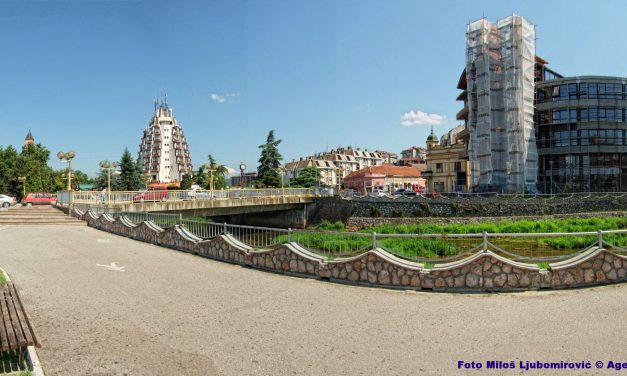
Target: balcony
(462, 114)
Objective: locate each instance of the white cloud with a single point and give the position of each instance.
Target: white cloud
(417, 117)
(230, 171)
(221, 98)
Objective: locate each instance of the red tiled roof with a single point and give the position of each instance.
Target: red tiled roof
(386, 170)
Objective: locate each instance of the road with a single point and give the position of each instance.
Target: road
(161, 312)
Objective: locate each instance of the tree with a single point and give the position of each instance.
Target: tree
(33, 164)
(269, 162)
(101, 180)
(130, 176)
(8, 171)
(79, 177)
(200, 177)
(219, 174)
(307, 178)
(186, 181)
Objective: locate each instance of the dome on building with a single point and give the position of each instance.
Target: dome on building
(432, 136)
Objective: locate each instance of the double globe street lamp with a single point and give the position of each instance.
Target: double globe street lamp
(67, 157)
(106, 166)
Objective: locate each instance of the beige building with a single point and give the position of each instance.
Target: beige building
(448, 169)
(327, 171)
(335, 165)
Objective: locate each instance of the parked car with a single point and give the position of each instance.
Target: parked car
(7, 201)
(198, 194)
(39, 198)
(377, 193)
(150, 195)
(433, 194)
(404, 192)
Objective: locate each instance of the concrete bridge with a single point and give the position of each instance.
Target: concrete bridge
(216, 203)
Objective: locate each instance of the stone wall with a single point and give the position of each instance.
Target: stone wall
(341, 209)
(481, 271)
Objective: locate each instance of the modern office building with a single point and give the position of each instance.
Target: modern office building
(582, 134)
(163, 152)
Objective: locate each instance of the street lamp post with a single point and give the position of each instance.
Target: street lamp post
(105, 165)
(207, 168)
(242, 168)
(282, 172)
(67, 157)
(22, 179)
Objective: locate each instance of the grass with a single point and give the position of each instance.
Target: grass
(3, 279)
(198, 219)
(436, 248)
(508, 226)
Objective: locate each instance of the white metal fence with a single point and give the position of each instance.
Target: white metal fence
(436, 248)
(101, 198)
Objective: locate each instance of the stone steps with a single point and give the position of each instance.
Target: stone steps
(37, 215)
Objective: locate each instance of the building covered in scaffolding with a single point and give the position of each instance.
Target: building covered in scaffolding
(500, 71)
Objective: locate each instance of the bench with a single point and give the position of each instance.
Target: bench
(16, 332)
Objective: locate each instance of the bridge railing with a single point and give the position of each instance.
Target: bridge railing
(126, 197)
(435, 248)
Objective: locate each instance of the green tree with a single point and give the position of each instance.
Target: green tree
(219, 174)
(269, 162)
(307, 178)
(9, 172)
(200, 177)
(186, 181)
(101, 180)
(33, 164)
(130, 176)
(79, 177)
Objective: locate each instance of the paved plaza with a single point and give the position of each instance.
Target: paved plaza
(106, 305)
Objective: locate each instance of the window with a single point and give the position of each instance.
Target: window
(613, 91)
(438, 167)
(601, 90)
(458, 166)
(583, 90)
(592, 90)
(593, 114)
(572, 91)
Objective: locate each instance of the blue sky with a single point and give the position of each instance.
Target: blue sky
(82, 74)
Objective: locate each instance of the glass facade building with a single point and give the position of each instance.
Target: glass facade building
(581, 132)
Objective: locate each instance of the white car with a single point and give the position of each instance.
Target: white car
(7, 201)
(377, 193)
(198, 194)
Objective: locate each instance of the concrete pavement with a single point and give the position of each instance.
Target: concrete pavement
(161, 312)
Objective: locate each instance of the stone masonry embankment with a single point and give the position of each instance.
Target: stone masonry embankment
(336, 208)
(481, 271)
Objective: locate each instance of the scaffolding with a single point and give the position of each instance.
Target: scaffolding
(500, 63)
